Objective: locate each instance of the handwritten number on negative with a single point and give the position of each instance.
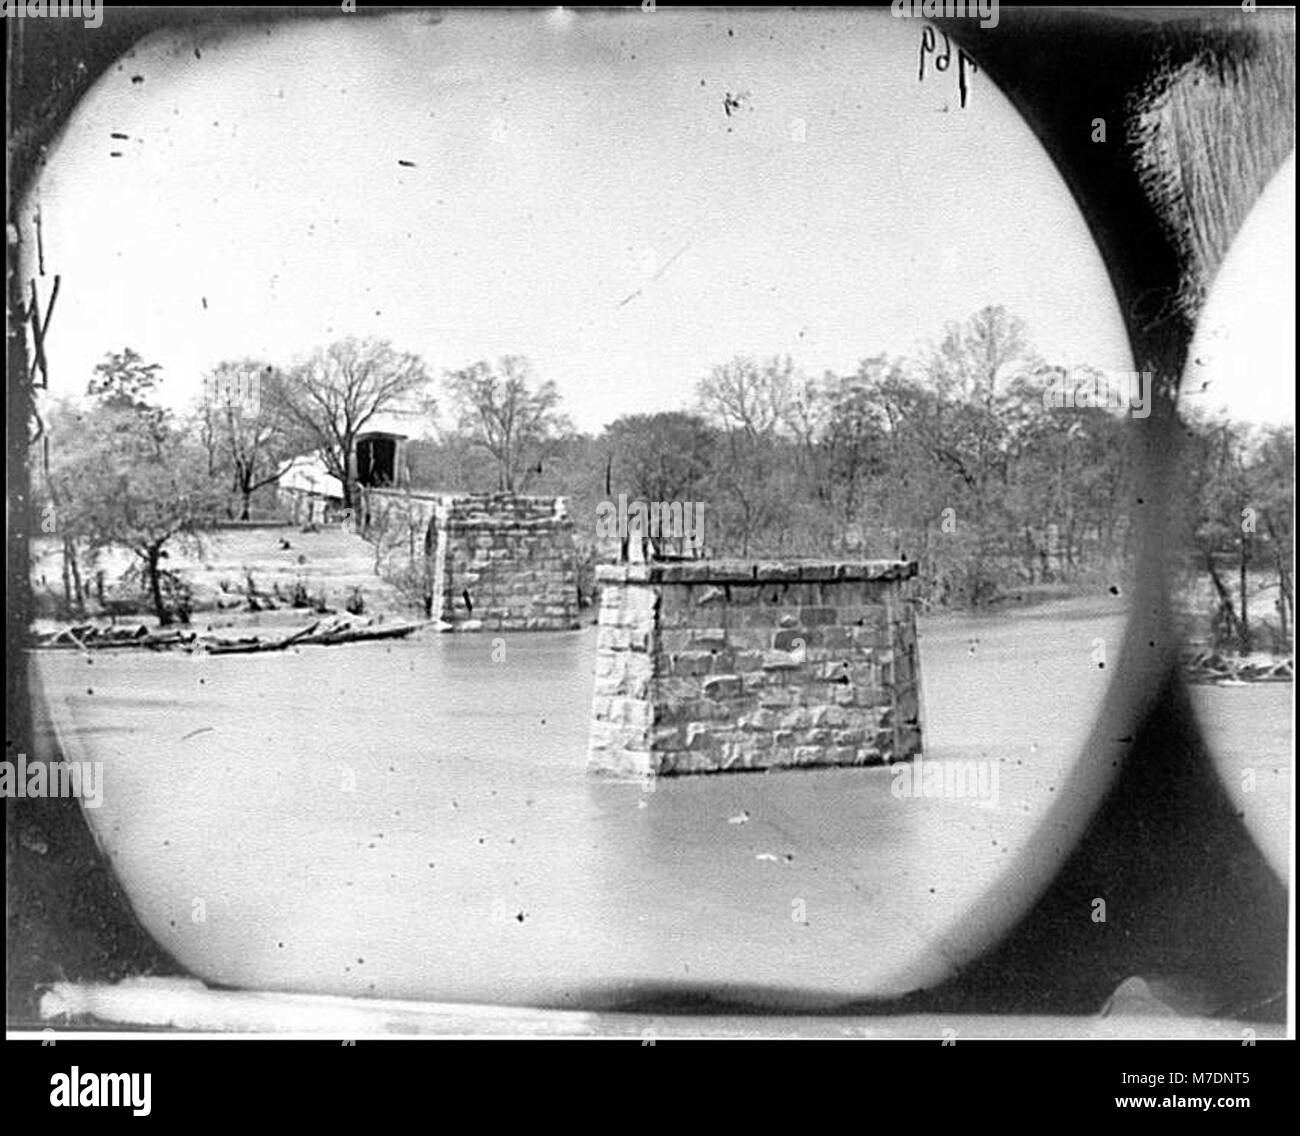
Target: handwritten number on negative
(942, 61)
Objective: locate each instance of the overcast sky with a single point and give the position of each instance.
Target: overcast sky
(1243, 356)
(577, 192)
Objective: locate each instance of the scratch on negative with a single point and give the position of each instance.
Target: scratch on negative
(667, 265)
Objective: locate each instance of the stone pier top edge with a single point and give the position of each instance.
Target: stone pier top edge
(491, 504)
(755, 571)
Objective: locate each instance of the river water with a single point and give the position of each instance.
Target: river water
(414, 820)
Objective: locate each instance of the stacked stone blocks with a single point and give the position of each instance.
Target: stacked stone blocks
(714, 666)
(509, 564)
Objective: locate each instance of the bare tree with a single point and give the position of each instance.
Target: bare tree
(753, 405)
(751, 395)
(660, 457)
(501, 413)
(332, 396)
(969, 430)
(853, 436)
(247, 437)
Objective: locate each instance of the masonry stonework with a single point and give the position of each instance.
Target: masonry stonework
(712, 666)
(508, 563)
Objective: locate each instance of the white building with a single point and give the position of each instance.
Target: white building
(307, 491)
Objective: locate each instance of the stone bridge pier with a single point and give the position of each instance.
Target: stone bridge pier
(715, 666)
(493, 561)
(504, 562)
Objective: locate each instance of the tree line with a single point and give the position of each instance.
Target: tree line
(951, 457)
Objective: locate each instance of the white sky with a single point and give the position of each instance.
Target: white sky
(560, 164)
(1243, 355)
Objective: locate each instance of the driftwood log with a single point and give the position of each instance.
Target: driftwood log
(327, 633)
(1211, 667)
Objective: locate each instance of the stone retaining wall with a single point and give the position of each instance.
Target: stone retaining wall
(720, 665)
